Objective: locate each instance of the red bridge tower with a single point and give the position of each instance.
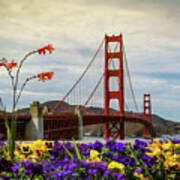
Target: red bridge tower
(114, 129)
(147, 115)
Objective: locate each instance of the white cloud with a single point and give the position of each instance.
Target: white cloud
(75, 28)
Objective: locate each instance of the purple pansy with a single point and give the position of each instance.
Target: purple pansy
(139, 171)
(92, 171)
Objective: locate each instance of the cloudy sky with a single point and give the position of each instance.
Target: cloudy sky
(76, 27)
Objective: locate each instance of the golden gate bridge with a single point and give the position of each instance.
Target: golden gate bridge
(104, 81)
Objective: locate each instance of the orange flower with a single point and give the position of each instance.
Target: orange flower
(45, 76)
(11, 65)
(3, 62)
(43, 50)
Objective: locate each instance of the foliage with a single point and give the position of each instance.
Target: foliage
(11, 133)
(15, 78)
(11, 125)
(153, 160)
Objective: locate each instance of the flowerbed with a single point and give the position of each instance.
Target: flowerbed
(48, 160)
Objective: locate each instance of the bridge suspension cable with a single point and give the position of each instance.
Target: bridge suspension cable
(94, 90)
(100, 80)
(82, 75)
(113, 65)
(129, 78)
(128, 75)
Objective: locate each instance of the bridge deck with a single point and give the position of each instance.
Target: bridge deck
(91, 119)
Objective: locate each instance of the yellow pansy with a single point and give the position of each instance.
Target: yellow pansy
(93, 154)
(168, 164)
(38, 147)
(117, 165)
(178, 165)
(37, 151)
(140, 176)
(168, 154)
(25, 148)
(176, 146)
(172, 161)
(16, 153)
(155, 152)
(49, 145)
(39, 144)
(94, 160)
(156, 143)
(33, 158)
(97, 160)
(22, 157)
(167, 146)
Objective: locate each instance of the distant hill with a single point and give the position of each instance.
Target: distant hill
(160, 126)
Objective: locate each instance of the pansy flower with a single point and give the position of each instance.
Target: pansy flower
(49, 145)
(116, 165)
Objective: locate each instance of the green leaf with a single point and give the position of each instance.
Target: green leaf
(172, 176)
(76, 148)
(6, 121)
(14, 124)
(11, 132)
(68, 152)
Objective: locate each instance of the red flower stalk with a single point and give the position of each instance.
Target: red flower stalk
(45, 76)
(3, 62)
(11, 65)
(8, 65)
(43, 50)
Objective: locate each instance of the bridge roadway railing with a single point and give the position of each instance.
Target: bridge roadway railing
(100, 119)
(60, 127)
(65, 126)
(21, 121)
